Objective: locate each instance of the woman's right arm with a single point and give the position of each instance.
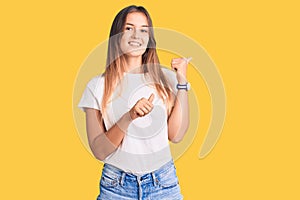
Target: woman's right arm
(102, 142)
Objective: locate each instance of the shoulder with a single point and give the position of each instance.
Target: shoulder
(96, 85)
(96, 82)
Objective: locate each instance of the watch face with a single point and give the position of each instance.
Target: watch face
(188, 86)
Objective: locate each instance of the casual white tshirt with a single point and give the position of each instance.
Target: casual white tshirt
(145, 146)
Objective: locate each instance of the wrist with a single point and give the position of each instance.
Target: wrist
(132, 115)
(183, 86)
(129, 116)
(124, 122)
(181, 80)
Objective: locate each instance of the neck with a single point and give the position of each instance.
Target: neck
(133, 64)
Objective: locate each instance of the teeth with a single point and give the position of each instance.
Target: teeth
(136, 44)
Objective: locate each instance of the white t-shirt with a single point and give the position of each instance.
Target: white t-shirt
(145, 146)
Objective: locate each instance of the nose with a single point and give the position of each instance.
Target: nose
(135, 34)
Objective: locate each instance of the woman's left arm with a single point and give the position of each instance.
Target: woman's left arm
(178, 121)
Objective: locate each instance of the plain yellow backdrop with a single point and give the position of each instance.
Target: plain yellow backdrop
(255, 45)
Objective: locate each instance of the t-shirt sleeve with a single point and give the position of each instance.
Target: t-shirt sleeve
(92, 94)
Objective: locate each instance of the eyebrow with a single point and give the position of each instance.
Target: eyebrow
(133, 25)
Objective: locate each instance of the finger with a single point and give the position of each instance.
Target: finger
(176, 60)
(180, 60)
(177, 68)
(145, 110)
(139, 112)
(151, 98)
(174, 67)
(149, 108)
(149, 104)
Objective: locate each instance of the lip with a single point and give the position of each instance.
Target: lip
(135, 43)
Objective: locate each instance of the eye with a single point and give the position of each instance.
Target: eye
(144, 30)
(128, 28)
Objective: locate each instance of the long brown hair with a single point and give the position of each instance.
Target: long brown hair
(115, 62)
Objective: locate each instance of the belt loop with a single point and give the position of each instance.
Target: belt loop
(122, 178)
(154, 179)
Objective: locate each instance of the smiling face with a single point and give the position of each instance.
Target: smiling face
(135, 36)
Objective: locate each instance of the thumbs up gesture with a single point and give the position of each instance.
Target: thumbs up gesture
(142, 107)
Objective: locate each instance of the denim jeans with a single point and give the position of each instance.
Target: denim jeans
(161, 184)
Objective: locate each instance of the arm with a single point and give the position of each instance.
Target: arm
(102, 142)
(178, 121)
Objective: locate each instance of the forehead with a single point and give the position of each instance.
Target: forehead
(137, 19)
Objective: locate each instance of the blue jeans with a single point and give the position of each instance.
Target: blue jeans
(161, 184)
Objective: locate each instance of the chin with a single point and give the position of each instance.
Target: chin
(135, 53)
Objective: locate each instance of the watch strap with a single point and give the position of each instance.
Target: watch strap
(182, 86)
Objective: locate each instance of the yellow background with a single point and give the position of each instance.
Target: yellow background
(255, 45)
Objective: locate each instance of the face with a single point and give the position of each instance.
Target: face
(135, 36)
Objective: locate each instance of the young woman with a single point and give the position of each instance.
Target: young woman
(132, 112)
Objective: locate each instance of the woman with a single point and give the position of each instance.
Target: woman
(133, 110)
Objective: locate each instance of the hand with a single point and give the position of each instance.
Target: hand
(142, 107)
(180, 66)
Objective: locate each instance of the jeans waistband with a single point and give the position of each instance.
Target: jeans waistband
(107, 168)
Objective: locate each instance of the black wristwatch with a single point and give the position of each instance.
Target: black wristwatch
(186, 86)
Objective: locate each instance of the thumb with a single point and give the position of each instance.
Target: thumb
(151, 98)
(188, 59)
